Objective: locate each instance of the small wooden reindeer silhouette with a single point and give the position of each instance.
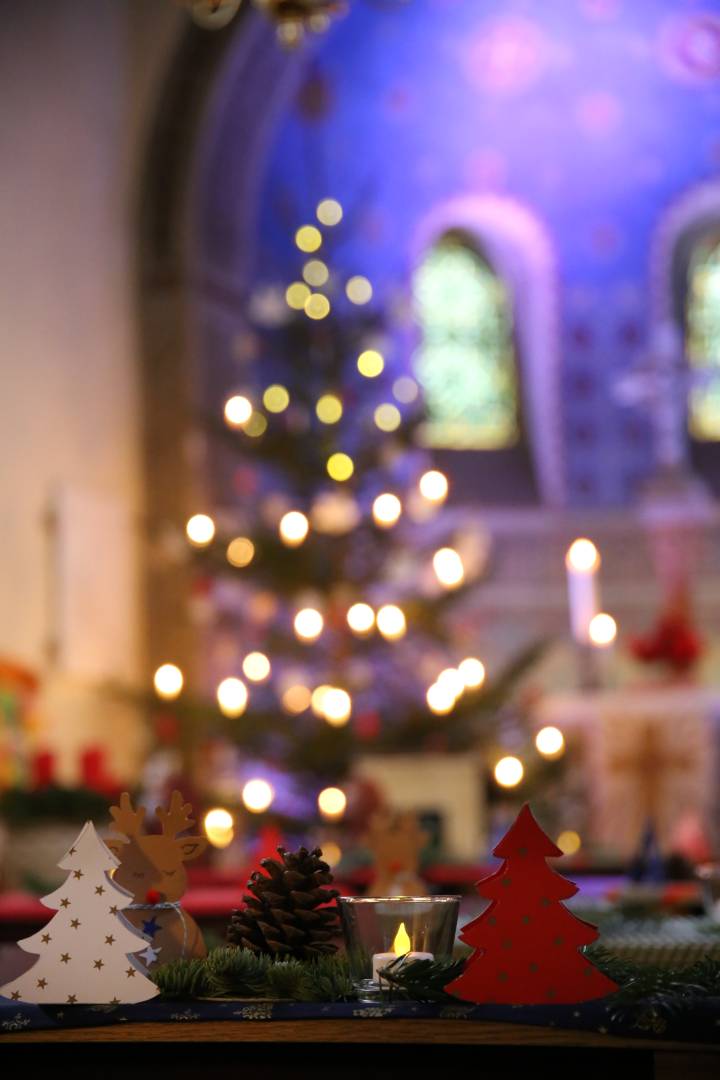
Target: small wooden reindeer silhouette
(152, 868)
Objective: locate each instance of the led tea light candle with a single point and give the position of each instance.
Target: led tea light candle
(401, 946)
(380, 930)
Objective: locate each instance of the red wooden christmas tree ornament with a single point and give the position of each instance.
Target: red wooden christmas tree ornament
(527, 940)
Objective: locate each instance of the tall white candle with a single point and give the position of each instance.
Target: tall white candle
(582, 562)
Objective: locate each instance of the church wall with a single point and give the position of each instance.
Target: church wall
(78, 82)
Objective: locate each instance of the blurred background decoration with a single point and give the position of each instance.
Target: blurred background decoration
(364, 420)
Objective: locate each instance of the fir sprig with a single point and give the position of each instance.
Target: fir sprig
(240, 973)
(244, 974)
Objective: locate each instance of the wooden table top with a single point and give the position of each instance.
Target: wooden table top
(387, 1031)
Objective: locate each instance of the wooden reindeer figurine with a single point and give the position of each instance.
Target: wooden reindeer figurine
(152, 868)
(396, 840)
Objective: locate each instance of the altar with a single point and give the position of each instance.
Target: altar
(649, 755)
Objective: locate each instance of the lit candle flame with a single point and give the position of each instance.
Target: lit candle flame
(402, 943)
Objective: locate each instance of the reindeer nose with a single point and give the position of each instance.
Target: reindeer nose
(152, 896)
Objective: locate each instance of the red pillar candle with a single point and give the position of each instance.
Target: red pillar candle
(42, 768)
(92, 768)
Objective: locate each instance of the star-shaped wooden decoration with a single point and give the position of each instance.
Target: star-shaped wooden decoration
(110, 940)
(71, 999)
(65, 902)
(42, 983)
(99, 890)
(15, 996)
(65, 958)
(78, 874)
(45, 939)
(130, 973)
(98, 964)
(114, 909)
(74, 923)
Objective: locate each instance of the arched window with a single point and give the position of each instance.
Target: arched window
(702, 320)
(465, 361)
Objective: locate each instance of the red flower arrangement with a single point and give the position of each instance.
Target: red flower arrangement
(672, 642)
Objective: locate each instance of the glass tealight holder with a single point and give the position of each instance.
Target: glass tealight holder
(380, 929)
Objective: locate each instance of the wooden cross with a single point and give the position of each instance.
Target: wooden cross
(650, 764)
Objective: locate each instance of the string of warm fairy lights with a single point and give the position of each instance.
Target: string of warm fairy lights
(250, 415)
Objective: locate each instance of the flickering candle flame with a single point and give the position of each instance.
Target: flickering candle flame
(401, 943)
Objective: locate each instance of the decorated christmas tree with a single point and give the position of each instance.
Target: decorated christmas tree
(85, 951)
(528, 942)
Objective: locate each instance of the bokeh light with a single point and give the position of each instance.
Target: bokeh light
(569, 842)
(308, 624)
(257, 795)
(232, 697)
(308, 238)
(293, 528)
(358, 290)
(405, 389)
(386, 510)
(329, 212)
(296, 295)
(317, 699)
(340, 467)
(336, 706)
(168, 681)
(434, 486)
(451, 680)
(315, 272)
(473, 672)
(332, 802)
(317, 306)
(550, 741)
(582, 556)
(602, 630)
(509, 771)
(276, 398)
(296, 699)
(200, 530)
(361, 618)
(256, 667)
(371, 363)
(329, 409)
(256, 425)
(448, 567)
(238, 410)
(440, 699)
(240, 551)
(391, 622)
(218, 826)
(387, 417)
(332, 852)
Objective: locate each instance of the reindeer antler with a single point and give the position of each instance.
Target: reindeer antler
(127, 821)
(177, 818)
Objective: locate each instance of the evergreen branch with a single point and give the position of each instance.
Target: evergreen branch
(422, 980)
(230, 972)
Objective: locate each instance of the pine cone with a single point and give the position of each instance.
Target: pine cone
(283, 915)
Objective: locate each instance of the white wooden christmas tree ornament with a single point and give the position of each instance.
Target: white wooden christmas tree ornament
(84, 954)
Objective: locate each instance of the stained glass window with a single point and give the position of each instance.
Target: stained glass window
(465, 362)
(703, 340)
